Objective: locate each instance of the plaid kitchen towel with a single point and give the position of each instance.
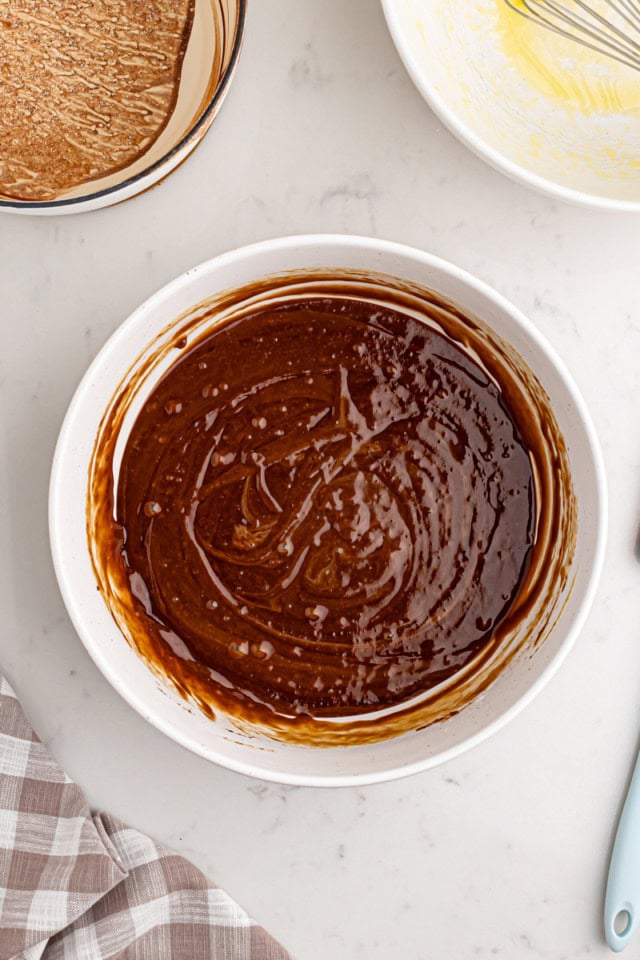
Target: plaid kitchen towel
(76, 885)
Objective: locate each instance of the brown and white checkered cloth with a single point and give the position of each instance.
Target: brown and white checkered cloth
(76, 885)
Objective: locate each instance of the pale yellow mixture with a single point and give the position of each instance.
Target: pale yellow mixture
(566, 71)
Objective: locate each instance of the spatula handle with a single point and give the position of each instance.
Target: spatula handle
(622, 901)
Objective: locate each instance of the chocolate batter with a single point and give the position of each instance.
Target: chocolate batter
(325, 508)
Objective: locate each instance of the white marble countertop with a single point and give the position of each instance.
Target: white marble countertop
(502, 852)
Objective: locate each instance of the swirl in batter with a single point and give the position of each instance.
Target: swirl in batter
(326, 507)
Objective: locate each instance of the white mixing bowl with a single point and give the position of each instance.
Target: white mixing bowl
(540, 108)
(217, 740)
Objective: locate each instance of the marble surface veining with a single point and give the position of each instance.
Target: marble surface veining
(501, 853)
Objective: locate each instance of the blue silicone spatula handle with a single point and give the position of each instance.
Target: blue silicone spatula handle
(622, 902)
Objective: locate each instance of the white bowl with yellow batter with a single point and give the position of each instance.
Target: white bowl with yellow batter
(544, 110)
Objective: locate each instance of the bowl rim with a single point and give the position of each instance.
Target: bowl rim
(155, 716)
(204, 119)
(478, 145)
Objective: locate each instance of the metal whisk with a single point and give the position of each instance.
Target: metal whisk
(611, 27)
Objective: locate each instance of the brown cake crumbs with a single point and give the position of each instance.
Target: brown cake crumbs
(86, 87)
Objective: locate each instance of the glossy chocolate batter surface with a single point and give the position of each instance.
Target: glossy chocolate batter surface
(326, 508)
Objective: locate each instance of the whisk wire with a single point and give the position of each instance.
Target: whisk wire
(629, 10)
(607, 23)
(629, 46)
(589, 28)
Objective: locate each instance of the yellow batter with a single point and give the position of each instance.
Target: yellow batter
(567, 71)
